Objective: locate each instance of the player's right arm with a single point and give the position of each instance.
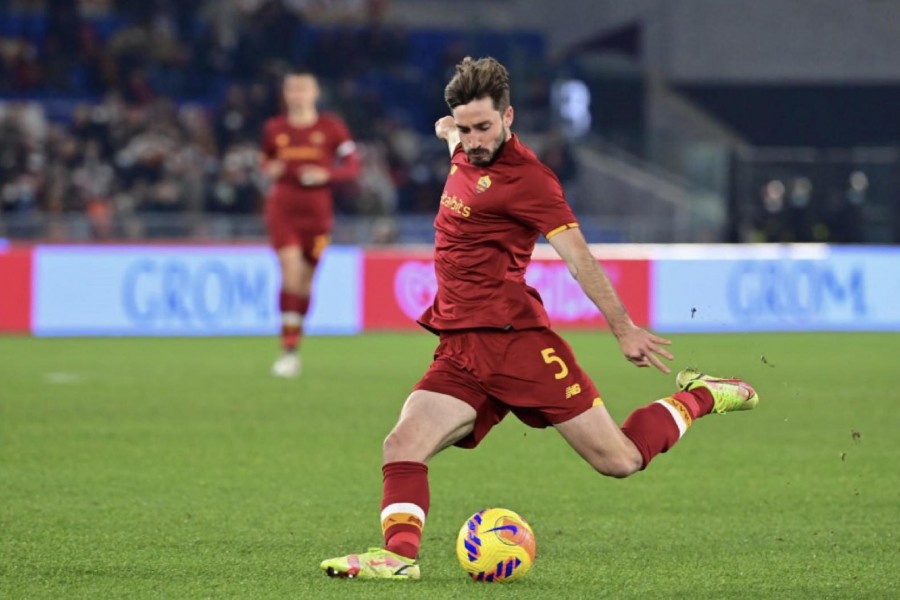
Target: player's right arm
(445, 129)
(540, 204)
(268, 161)
(272, 167)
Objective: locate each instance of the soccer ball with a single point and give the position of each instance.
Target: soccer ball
(495, 544)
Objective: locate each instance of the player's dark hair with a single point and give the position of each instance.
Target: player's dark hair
(476, 79)
(298, 72)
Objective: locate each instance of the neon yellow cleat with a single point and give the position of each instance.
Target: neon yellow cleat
(728, 394)
(374, 564)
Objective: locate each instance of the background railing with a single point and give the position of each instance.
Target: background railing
(199, 227)
(846, 195)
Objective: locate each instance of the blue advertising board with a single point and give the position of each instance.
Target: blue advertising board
(232, 290)
(182, 290)
(831, 289)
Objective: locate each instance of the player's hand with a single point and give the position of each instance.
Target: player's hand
(644, 349)
(313, 175)
(274, 168)
(444, 126)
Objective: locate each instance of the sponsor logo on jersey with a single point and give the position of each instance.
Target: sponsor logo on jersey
(300, 153)
(484, 182)
(282, 139)
(456, 205)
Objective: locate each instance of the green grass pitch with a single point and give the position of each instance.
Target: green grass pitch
(178, 468)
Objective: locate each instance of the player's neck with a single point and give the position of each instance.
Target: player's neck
(302, 118)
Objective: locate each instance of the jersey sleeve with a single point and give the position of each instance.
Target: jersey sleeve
(341, 140)
(542, 205)
(346, 159)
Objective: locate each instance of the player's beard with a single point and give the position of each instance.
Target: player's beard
(485, 156)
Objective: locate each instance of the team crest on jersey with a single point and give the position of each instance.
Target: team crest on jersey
(282, 139)
(453, 169)
(317, 137)
(484, 182)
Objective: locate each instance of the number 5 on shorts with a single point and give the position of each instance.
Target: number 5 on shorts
(550, 357)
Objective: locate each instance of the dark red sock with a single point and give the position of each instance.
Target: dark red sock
(656, 427)
(293, 307)
(698, 401)
(303, 305)
(404, 506)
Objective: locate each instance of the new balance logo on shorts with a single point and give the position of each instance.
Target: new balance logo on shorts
(573, 390)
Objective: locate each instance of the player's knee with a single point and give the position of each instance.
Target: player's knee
(291, 283)
(619, 465)
(398, 446)
(391, 446)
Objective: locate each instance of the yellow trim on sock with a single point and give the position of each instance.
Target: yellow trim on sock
(681, 408)
(401, 519)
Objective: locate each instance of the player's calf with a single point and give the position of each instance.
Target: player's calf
(619, 466)
(599, 441)
(657, 427)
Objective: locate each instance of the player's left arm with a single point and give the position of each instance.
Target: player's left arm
(345, 166)
(640, 347)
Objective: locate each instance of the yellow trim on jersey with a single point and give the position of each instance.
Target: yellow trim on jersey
(598, 401)
(560, 229)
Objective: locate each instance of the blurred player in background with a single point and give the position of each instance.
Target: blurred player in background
(497, 353)
(303, 152)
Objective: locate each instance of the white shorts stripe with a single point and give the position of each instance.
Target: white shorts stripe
(403, 507)
(676, 416)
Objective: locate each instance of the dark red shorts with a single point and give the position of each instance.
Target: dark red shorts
(286, 228)
(531, 372)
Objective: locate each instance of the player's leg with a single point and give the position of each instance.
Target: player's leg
(654, 428)
(305, 275)
(285, 239)
(542, 381)
(292, 308)
(429, 422)
(449, 406)
(544, 384)
(598, 440)
(298, 270)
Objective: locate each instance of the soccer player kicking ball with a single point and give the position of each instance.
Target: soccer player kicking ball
(304, 152)
(497, 352)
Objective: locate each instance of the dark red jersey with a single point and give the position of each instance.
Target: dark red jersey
(326, 143)
(485, 230)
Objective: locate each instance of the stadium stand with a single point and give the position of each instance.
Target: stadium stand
(124, 119)
(137, 118)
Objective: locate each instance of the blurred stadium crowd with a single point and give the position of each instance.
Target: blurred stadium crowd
(127, 119)
(133, 112)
